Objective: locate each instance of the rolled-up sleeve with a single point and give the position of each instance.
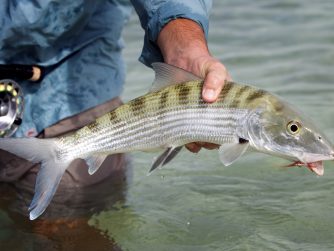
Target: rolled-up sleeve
(154, 15)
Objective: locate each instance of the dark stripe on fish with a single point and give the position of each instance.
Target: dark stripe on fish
(138, 106)
(237, 99)
(183, 93)
(254, 96)
(226, 89)
(278, 106)
(94, 126)
(114, 117)
(163, 100)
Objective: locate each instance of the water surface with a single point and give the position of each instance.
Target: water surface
(286, 47)
(195, 203)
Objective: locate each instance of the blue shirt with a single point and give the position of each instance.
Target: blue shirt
(80, 44)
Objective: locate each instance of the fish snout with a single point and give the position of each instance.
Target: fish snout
(309, 157)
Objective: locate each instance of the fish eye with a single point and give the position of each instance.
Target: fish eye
(293, 127)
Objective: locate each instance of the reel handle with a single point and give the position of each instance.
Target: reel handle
(32, 73)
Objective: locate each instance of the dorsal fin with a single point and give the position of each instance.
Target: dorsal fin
(166, 75)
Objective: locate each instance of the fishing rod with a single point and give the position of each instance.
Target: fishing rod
(11, 94)
(32, 73)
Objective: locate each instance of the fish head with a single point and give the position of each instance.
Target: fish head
(279, 129)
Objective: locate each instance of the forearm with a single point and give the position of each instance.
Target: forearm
(181, 42)
(155, 15)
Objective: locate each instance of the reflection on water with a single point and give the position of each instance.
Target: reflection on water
(64, 225)
(196, 204)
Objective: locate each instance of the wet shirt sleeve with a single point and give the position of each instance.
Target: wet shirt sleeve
(78, 42)
(154, 15)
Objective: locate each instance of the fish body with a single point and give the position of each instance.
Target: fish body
(173, 116)
(170, 116)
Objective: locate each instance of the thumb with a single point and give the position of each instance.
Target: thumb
(214, 82)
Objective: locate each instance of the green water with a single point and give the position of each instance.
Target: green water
(195, 203)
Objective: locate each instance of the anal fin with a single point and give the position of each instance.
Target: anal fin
(94, 162)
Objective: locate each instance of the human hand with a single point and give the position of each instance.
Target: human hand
(183, 44)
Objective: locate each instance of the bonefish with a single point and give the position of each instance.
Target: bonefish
(171, 115)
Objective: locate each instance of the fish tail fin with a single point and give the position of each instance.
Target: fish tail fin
(44, 151)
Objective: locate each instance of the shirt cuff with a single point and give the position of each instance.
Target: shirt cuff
(165, 13)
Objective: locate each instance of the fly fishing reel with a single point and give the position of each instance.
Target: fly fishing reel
(11, 107)
(11, 94)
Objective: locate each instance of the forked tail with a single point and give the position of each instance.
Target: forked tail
(42, 151)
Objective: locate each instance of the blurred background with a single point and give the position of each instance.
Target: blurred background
(194, 203)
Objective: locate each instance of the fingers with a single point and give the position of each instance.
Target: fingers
(209, 146)
(216, 75)
(195, 147)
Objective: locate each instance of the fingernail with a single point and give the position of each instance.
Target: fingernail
(209, 94)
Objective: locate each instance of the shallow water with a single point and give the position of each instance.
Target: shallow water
(195, 203)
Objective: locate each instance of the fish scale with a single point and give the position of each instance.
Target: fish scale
(174, 115)
(151, 123)
(170, 116)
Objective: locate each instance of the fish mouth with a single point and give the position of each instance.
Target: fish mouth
(313, 162)
(317, 167)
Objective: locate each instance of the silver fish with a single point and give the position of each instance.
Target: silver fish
(171, 115)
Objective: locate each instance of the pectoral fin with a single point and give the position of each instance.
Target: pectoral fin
(165, 157)
(94, 162)
(228, 153)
